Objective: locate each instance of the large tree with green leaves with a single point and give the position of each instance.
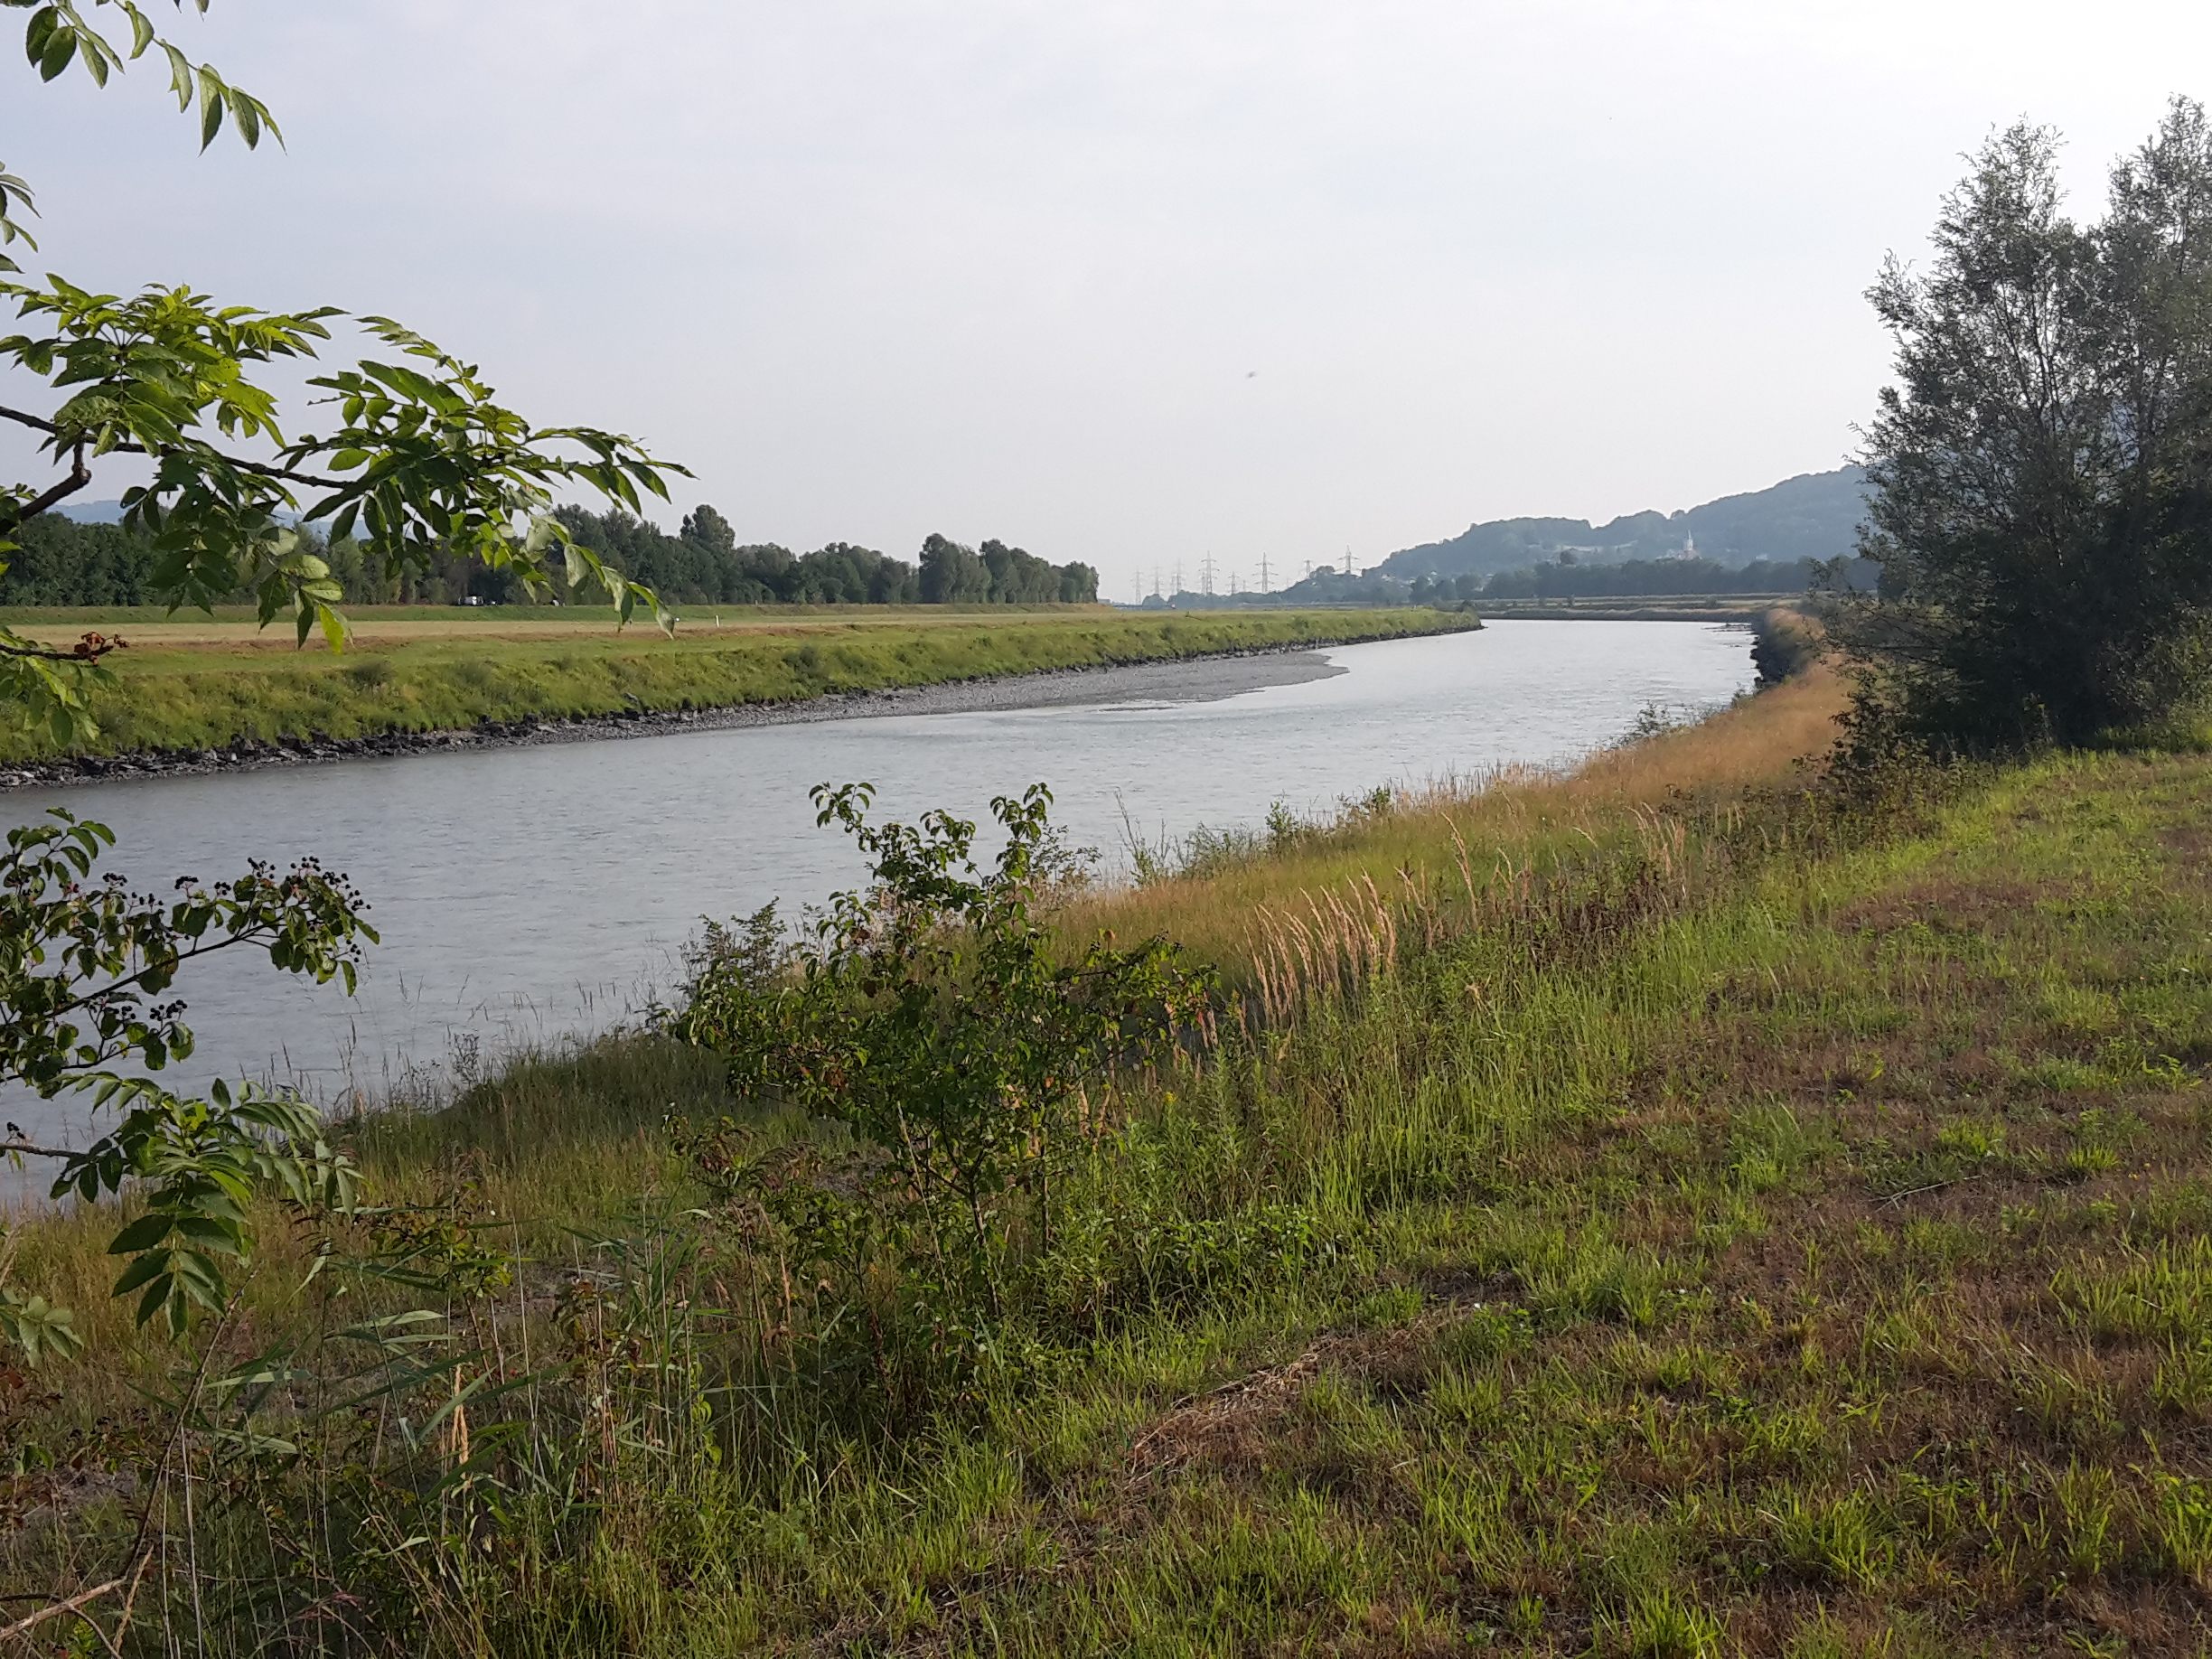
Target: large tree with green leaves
(410, 451)
(2041, 470)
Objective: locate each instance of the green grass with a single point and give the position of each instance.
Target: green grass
(1798, 1244)
(208, 695)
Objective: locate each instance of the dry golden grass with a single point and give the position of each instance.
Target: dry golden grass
(1463, 834)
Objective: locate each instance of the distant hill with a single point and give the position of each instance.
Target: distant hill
(111, 512)
(1814, 515)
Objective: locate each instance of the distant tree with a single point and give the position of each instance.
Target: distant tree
(1634, 579)
(2041, 469)
(951, 574)
(708, 530)
(58, 562)
(1018, 577)
(894, 581)
(770, 569)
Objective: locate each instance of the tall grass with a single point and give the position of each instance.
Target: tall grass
(1221, 897)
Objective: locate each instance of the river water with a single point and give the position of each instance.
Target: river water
(530, 895)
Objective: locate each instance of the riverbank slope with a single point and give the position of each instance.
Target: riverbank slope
(1676, 1209)
(213, 693)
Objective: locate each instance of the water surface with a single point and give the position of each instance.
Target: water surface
(526, 894)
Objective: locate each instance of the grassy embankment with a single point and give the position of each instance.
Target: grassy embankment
(199, 684)
(1723, 1223)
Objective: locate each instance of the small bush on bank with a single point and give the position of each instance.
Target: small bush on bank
(961, 1069)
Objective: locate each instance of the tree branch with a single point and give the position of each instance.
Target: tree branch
(76, 1604)
(90, 649)
(260, 469)
(260, 933)
(80, 475)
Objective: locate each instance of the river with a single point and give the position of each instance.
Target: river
(532, 894)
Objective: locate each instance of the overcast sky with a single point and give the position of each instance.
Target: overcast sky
(1127, 281)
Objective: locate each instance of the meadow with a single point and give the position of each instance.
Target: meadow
(1690, 1208)
(194, 683)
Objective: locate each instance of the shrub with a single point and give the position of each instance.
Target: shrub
(948, 1055)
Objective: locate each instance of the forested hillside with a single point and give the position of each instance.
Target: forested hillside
(1815, 516)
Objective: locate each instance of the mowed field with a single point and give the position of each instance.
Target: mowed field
(233, 625)
(199, 682)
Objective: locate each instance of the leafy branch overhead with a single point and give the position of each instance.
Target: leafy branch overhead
(424, 455)
(422, 460)
(58, 35)
(85, 967)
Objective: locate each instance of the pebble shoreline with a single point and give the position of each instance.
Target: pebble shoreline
(1185, 679)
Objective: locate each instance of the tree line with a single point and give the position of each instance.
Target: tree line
(63, 562)
(1646, 578)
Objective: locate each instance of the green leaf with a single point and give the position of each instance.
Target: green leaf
(60, 47)
(152, 1265)
(39, 31)
(160, 1292)
(210, 106)
(143, 1234)
(180, 75)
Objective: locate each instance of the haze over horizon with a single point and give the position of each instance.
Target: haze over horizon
(1125, 285)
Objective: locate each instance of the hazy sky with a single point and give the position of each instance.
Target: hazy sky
(1124, 281)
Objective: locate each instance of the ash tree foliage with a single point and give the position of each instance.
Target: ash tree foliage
(410, 453)
(84, 965)
(412, 458)
(2040, 508)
